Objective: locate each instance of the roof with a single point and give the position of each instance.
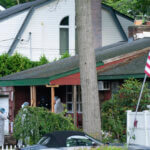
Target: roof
(117, 12)
(133, 68)
(21, 7)
(42, 75)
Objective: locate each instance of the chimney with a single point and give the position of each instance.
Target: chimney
(139, 29)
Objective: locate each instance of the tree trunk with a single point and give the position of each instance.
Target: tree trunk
(88, 19)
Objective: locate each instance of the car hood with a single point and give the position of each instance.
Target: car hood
(34, 147)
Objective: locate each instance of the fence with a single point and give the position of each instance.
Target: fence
(10, 147)
(141, 133)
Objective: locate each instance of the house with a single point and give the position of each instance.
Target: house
(59, 77)
(48, 27)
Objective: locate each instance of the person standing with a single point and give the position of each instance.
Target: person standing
(3, 117)
(58, 107)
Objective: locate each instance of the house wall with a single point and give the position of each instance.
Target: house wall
(125, 23)
(8, 30)
(44, 28)
(110, 32)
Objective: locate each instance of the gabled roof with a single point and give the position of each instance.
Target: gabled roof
(132, 69)
(21, 7)
(44, 74)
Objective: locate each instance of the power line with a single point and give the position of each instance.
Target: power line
(7, 40)
(53, 49)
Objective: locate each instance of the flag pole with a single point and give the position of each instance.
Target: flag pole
(137, 107)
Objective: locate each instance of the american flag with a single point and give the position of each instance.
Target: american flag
(147, 67)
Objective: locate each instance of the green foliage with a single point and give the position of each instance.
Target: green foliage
(130, 7)
(9, 3)
(114, 110)
(34, 122)
(65, 55)
(17, 63)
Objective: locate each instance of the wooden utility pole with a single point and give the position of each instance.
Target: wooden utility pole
(88, 21)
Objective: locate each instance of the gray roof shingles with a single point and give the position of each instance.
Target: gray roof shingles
(135, 66)
(71, 63)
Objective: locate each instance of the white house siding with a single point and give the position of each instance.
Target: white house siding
(44, 29)
(8, 30)
(125, 23)
(44, 26)
(110, 32)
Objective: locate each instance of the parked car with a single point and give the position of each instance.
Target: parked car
(66, 140)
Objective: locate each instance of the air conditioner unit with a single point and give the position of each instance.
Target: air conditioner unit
(103, 85)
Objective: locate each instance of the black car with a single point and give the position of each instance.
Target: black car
(66, 140)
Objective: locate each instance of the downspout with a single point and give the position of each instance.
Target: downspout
(21, 30)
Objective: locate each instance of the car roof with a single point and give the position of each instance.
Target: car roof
(58, 138)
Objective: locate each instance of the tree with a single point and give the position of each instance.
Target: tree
(19, 62)
(130, 7)
(114, 110)
(9, 3)
(88, 21)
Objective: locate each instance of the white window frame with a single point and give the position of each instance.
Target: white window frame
(64, 27)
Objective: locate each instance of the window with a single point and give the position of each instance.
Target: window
(44, 140)
(64, 35)
(79, 140)
(74, 141)
(69, 99)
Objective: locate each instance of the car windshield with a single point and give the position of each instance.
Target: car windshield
(77, 140)
(44, 140)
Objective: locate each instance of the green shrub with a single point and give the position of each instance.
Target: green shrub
(114, 110)
(17, 63)
(34, 122)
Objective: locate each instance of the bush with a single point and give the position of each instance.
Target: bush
(17, 63)
(34, 122)
(114, 110)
